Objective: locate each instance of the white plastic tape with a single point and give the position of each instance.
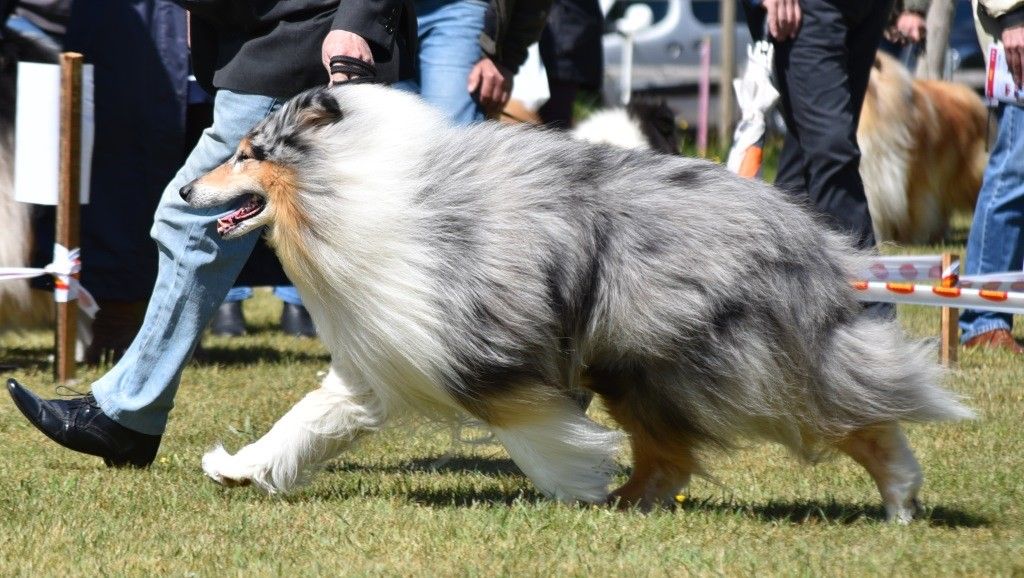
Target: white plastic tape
(914, 294)
(64, 269)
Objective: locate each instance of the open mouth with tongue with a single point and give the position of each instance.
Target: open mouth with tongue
(252, 205)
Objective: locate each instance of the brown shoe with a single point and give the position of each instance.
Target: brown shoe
(996, 339)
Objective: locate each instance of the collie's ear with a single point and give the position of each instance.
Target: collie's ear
(322, 109)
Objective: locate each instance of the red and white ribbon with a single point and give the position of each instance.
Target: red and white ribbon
(915, 294)
(65, 269)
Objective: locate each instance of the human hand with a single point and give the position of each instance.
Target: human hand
(494, 83)
(910, 26)
(1013, 43)
(783, 18)
(343, 43)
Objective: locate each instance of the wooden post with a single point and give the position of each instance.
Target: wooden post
(950, 330)
(726, 102)
(68, 203)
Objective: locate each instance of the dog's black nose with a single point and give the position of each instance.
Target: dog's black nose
(186, 192)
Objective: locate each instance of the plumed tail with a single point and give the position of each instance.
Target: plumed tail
(873, 374)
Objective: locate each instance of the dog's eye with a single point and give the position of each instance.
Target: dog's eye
(242, 156)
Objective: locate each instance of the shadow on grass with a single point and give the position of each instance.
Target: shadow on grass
(14, 359)
(248, 354)
(833, 512)
(455, 464)
(803, 512)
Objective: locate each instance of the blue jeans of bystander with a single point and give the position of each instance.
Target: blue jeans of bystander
(196, 269)
(996, 240)
(449, 35)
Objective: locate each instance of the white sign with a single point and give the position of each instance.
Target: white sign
(37, 133)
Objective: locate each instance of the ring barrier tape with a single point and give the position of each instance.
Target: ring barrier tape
(917, 268)
(65, 270)
(960, 297)
(888, 279)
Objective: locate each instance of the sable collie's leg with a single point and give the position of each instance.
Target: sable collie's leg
(662, 464)
(319, 427)
(660, 471)
(884, 452)
(564, 453)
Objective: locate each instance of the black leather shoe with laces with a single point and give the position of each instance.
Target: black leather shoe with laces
(79, 424)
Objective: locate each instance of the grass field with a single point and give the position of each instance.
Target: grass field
(388, 509)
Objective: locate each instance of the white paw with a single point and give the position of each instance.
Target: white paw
(902, 514)
(222, 467)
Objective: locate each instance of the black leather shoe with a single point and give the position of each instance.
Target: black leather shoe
(295, 320)
(228, 320)
(80, 425)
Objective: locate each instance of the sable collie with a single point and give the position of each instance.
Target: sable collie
(922, 152)
(495, 270)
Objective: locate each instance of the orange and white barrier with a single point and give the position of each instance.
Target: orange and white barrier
(959, 297)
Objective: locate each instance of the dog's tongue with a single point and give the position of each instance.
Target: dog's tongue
(252, 206)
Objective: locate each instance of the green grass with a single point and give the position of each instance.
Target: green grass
(384, 509)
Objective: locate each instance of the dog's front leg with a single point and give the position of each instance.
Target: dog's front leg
(319, 427)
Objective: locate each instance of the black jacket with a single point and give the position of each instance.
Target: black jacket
(510, 27)
(272, 47)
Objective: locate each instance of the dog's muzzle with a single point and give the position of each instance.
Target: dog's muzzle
(185, 192)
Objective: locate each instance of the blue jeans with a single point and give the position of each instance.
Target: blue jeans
(196, 269)
(996, 240)
(449, 36)
(287, 293)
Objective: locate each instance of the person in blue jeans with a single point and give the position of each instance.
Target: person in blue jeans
(448, 32)
(470, 50)
(996, 240)
(254, 61)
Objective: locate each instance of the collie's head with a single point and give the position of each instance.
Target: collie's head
(295, 166)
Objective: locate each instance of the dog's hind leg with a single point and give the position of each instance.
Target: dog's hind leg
(565, 454)
(660, 471)
(324, 423)
(662, 464)
(884, 452)
(664, 457)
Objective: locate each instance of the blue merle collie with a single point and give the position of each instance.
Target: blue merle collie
(498, 271)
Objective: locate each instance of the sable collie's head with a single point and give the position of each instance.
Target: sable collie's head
(296, 164)
(262, 179)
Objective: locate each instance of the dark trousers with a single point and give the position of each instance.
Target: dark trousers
(823, 75)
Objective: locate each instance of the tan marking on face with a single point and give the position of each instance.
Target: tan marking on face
(280, 184)
(221, 178)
